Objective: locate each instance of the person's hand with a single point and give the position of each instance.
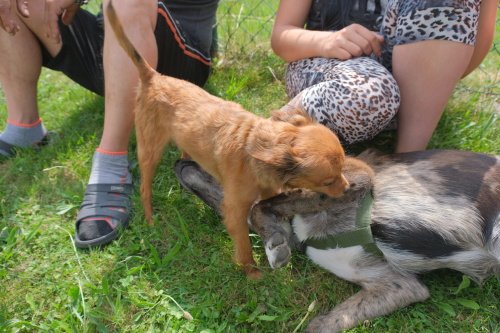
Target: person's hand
(8, 17)
(53, 10)
(352, 41)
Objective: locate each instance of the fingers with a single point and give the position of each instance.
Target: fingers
(66, 9)
(7, 18)
(69, 14)
(352, 48)
(356, 40)
(371, 41)
(51, 17)
(22, 7)
(9, 26)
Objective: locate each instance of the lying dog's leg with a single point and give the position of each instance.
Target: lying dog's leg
(271, 220)
(197, 181)
(152, 137)
(275, 232)
(235, 208)
(377, 298)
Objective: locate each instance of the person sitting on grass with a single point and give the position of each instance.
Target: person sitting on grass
(173, 36)
(354, 65)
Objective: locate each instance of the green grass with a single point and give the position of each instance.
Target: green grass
(134, 285)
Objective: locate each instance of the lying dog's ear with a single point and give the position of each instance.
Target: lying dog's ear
(292, 115)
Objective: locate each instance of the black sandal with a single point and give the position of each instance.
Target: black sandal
(8, 148)
(197, 181)
(11, 149)
(105, 211)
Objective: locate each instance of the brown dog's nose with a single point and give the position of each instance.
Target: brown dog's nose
(338, 188)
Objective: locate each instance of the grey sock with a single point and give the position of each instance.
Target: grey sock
(21, 136)
(110, 169)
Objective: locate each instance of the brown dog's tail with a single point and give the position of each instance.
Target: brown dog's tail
(145, 70)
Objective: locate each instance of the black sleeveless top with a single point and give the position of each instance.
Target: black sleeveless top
(337, 14)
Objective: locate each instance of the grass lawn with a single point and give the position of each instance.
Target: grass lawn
(152, 277)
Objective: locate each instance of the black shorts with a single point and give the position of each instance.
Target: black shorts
(80, 57)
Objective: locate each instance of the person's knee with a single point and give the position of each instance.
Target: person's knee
(383, 95)
(140, 12)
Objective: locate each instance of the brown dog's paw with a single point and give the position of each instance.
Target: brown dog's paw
(253, 273)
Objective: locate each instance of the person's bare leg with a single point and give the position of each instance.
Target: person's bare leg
(19, 73)
(110, 164)
(121, 76)
(110, 161)
(426, 72)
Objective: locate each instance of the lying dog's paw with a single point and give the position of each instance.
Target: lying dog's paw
(278, 251)
(321, 324)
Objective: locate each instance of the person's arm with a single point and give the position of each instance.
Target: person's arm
(485, 33)
(290, 41)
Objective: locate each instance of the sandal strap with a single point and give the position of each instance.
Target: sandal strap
(105, 200)
(115, 217)
(86, 213)
(126, 189)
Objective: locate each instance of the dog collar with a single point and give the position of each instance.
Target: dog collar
(362, 235)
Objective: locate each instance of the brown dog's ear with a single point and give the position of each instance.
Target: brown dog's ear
(273, 153)
(292, 115)
(277, 156)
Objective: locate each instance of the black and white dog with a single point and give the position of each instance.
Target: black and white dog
(404, 214)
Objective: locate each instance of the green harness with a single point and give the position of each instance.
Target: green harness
(362, 235)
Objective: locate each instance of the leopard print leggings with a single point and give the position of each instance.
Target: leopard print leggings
(357, 98)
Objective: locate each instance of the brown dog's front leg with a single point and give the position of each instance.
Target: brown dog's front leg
(235, 212)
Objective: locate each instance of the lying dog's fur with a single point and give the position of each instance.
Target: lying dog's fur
(432, 209)
(251, 157)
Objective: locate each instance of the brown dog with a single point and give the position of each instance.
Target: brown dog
(251, 157)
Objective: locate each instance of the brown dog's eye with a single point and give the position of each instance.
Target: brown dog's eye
(328, 183)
